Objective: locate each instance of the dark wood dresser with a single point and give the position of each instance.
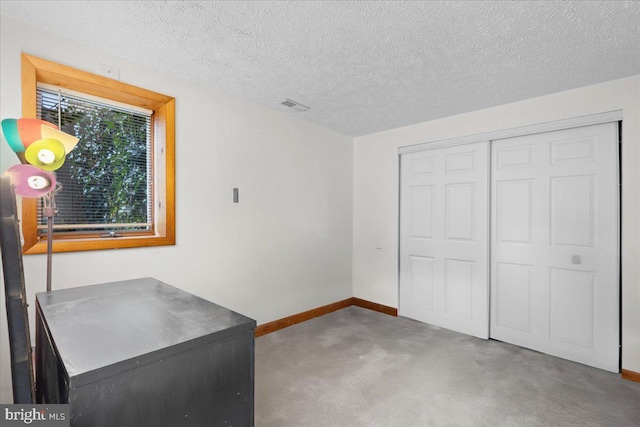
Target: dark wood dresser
(142, 353)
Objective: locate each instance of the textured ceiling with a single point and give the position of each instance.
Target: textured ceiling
(362, 67)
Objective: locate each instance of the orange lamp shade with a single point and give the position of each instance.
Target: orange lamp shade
(30, 130)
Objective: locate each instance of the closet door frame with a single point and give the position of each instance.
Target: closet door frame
(594, 119)
(606, 117)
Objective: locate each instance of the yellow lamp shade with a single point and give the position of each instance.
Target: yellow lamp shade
(47, 154)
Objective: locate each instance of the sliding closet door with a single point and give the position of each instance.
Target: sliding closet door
(444, 238)
(554, 267)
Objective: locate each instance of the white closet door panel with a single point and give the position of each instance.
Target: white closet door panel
(444, 238)
(554, 243)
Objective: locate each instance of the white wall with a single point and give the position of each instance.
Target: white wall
(375, 210)
(285, 248)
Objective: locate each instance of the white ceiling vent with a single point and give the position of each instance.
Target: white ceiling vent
(296, 106)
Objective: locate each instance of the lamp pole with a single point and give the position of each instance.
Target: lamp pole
(49, 211)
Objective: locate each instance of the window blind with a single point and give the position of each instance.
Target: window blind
(107, 180)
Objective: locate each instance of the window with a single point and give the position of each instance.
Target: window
(118, 183)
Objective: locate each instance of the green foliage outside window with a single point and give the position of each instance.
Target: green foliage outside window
(106, 178)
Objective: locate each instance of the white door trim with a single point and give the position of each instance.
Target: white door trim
(593, 119)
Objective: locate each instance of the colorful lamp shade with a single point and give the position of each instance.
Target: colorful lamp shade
(43, 146)
(31, 181)
(20, 133)
(30, 130)
(47, 154)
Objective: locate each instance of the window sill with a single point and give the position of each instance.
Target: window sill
(99, 244)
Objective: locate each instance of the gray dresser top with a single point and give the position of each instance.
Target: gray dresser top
(105, 329)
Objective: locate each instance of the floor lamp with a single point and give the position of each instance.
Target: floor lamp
(42, 149)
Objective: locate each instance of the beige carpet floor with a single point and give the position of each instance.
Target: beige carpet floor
(356, 367)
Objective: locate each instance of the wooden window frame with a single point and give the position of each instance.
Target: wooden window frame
(37, 70)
